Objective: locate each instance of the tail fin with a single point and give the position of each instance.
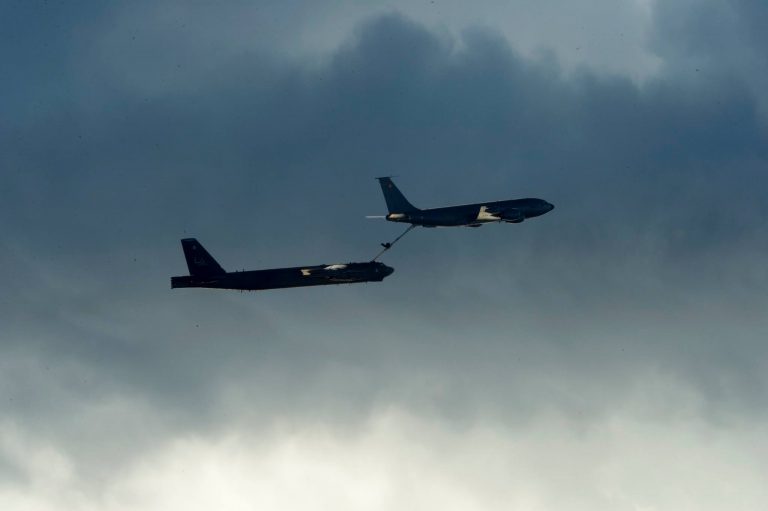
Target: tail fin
(396, 201)
(199, 261)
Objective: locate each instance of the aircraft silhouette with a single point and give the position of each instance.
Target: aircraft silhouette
(204, 271)
(470, 215)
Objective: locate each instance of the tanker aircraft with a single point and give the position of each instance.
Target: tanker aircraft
(470, 215)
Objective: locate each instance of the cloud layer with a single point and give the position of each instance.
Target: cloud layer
(580, 361)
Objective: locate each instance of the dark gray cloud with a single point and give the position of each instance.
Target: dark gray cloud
(707, 39)
(635, 171)
(651, 267)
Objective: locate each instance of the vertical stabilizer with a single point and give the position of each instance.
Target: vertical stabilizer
(199, 261)
(396, 201)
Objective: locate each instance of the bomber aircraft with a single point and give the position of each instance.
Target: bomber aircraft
(469, 215)
(204, 271)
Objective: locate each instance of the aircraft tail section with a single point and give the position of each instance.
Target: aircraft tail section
(396, 201)
(199, 261)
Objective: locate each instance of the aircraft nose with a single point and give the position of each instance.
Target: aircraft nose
(550, 206)
(388, 270)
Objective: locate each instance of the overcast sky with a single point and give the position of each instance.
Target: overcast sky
(610, 355)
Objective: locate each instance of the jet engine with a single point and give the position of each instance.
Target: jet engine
(512, 216)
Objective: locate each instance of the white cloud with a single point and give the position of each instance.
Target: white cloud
(628, 459)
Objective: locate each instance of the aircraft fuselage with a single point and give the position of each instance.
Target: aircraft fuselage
(299, 276)
(510, 211)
